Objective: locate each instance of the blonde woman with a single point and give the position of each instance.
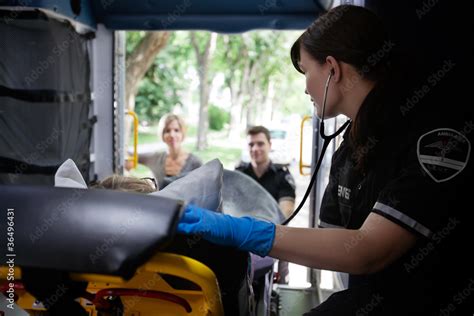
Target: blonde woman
(175, 162)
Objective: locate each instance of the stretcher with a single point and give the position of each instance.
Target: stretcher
(99, 252)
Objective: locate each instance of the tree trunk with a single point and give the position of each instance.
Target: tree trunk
(238, 90)
(137, 64)
(235, 119)
(253, 89)
(250, 114)
(203, 59)
(267, 113)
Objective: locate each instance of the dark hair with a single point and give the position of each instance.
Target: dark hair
(356, 36)
(259, 129)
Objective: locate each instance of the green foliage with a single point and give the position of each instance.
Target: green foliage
(218, 118)
(162, 87)
(229, 156)
(264, 53)
(133, 38)
(146, 138)
(191, 131)
(265, 57)
(153, 100)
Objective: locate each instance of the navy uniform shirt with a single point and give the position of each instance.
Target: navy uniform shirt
(277, 180)
(414, 179)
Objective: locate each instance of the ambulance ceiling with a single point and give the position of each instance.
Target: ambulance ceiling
(227, 16)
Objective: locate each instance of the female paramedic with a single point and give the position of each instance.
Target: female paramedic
(385, 205)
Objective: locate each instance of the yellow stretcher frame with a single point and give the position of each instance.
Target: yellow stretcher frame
(205, 301)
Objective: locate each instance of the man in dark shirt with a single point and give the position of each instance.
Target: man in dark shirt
(276, 179)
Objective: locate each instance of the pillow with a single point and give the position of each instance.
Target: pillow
(69, 176)
(201, 187)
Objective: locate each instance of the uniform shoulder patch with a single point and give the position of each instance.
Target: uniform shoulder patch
(443, 153)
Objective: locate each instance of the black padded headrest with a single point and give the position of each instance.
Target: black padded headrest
(93, 231)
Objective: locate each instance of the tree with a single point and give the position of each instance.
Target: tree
(236, 66)
(163, 87)
(248, 63)
(141, 52)
(139, 61)
(204, 44)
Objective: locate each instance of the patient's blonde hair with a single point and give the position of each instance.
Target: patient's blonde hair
(125, 184)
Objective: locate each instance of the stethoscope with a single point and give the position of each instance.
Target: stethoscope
(327, 140)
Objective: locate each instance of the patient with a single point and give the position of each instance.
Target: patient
(229, 265)
(203, 187)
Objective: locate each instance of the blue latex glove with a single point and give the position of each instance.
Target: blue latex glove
(245, 233)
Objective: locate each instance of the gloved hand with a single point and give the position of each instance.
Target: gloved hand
(245, 233)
